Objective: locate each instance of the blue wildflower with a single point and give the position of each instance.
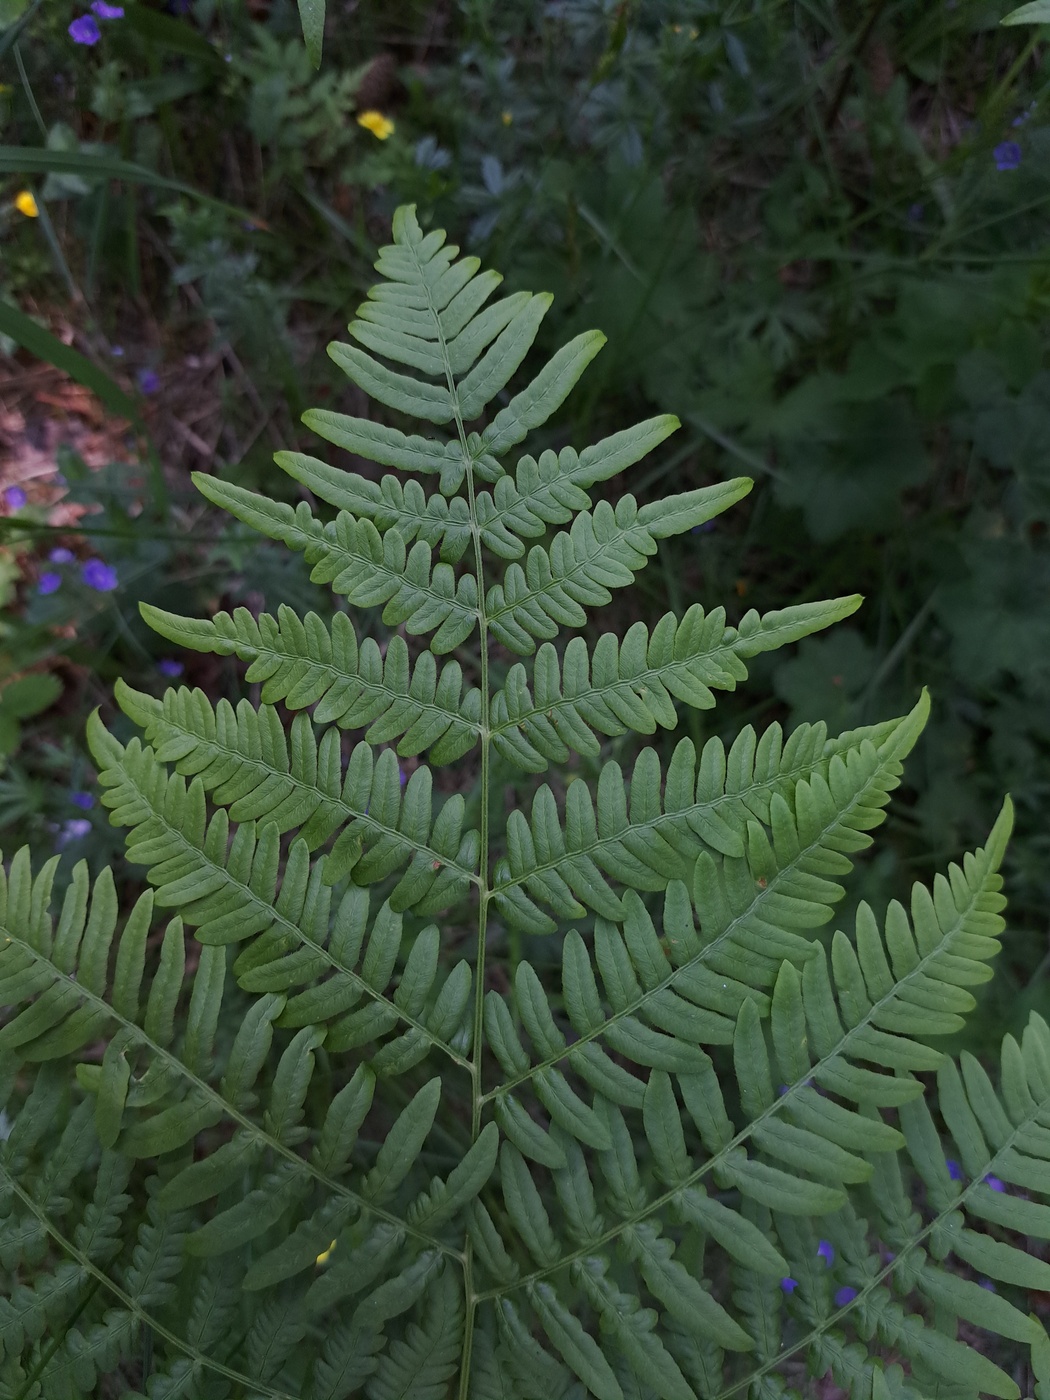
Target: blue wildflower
(170, 667)
(915, 212)
(99, 576)
(104, 11)
(15, 497)
(61, 555)
(986, 1283)
(85, 30)
(49, 583)
(995, 1183)
(84, 800)
(1007, 155)
(954, 1170)
(845, 1295)
(826, 1252)
(148, 380)
(789, 1284)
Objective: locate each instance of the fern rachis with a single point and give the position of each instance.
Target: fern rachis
(687, 1154)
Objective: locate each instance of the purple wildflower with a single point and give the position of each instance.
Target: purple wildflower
(148, 380)
(170, 667)
(117, 351)
(15, 497)
(986, 1283)
(99, 576)
(85, 30)
(49, 583)
(954, 1170)
(104, 11)
(915, 212)
(61, 555)
(845, 1295)
(84, 800)
(1007, 155)
(994, 1183)
(72, 831)
(826, 1252)
(402, 775)
(789, 1284)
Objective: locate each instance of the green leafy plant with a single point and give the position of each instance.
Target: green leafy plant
(653, 1137)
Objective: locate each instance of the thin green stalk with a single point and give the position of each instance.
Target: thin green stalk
(27, 89)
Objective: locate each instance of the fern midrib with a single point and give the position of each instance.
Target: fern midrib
(584, 1038)
(159, 1052)
(478, 1042)
(741, 1138)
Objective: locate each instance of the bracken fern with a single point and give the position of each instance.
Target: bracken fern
(307, 1153)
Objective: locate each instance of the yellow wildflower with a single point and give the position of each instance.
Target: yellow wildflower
(508, 117)
(26, 204)
(381, 127)
(325, 1254)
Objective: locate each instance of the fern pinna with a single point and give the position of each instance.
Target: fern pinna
(375, 1093)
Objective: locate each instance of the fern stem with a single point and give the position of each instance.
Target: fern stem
(477, 1043)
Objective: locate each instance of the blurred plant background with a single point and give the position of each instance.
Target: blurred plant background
(815, 231)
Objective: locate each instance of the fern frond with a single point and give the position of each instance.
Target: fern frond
(306, 662)
(798, 1151)
(544, 492)
(362, 565)
(991, 1177)
(421, 1366)
(389, 504)
(151, 1096)
(615, 686)
(248, 765)
(604, 549)
(689, 1156)
(653, 830)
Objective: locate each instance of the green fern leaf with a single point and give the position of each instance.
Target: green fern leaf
(318, 1116)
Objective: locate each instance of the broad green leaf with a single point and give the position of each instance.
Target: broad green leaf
(1038, 12)
(311, 16)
